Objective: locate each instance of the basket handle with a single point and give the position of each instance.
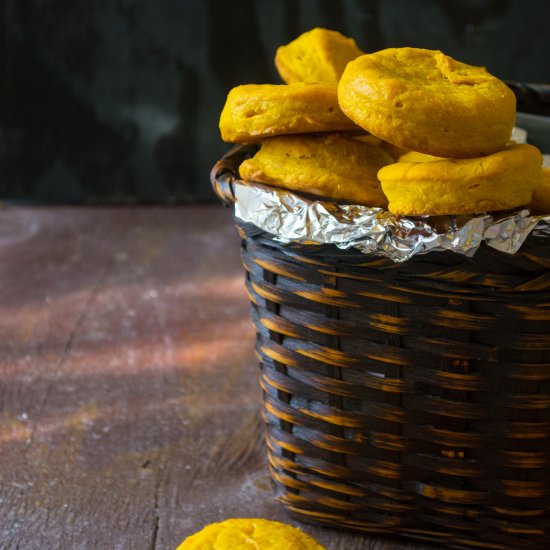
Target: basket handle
(531, 98)
(226, 171)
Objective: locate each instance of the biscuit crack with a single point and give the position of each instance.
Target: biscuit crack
(450, 71)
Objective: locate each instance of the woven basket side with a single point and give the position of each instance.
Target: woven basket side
(410, 400)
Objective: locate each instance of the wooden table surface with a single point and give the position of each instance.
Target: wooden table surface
(129, 398)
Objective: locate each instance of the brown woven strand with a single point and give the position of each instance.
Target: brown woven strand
(407, 399)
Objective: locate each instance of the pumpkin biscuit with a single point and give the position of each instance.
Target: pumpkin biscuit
(393, 150)
(319, 55)
(423, 100)
(250, 534)
(415, 156)
(331, 166)
(462, 186)
(256, 111)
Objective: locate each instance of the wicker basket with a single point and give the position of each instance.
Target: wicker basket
(407, 399)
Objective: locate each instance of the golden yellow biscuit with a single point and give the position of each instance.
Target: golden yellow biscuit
(450, 186)
(330, 166)
(367, 138)
(393, 150)
(415, 156)
(540, 204)
(250, 534)
(319, 55)
(256, 111)
(425, 101)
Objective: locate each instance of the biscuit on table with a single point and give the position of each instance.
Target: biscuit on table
(499, 181)
(540, 204)
(241, 533)
(330, 166)
(423, 100)
(256, 111)
(318, 55)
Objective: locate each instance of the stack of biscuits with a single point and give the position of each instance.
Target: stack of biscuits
(406, 129)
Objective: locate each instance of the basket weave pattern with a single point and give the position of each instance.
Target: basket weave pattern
(408, 399)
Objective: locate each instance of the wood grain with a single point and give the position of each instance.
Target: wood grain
(129, 396)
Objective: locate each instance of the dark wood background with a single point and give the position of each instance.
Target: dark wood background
(118, 100)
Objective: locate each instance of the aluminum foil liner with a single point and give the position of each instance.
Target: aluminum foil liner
(292, 218)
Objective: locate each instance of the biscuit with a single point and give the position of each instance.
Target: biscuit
(462, 186)
(233, 534)
(367, 138)
(319, 55)
(540, 204)
(393, 150)
(331, 166)
(423, 100)
(415, 156)
(256, 111)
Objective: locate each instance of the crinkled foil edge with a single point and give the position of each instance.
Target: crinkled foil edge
(293, 218)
